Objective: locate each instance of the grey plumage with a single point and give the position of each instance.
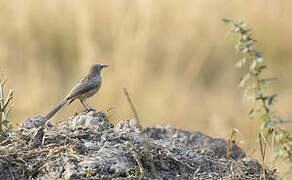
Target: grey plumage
(56, 109)
(86, 88)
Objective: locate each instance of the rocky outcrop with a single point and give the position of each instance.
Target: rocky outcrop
(88, 147)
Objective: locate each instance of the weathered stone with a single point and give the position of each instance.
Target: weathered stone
(218, 146)
(33, 122)
(86, 147)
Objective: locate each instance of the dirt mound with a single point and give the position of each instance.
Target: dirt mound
(87, 147)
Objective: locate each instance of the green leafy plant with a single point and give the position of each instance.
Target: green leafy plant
(255, 89)
(5, 108)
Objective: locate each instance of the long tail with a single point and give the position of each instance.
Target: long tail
(56, 109)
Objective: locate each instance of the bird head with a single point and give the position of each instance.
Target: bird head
(96, 68)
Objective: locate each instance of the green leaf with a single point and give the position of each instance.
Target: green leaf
(245, 31)
(253, 111)
(226, 20)
(250, 41)
(262, 145)
(8, 99)
(271, 130)
(260, 59)
(244, 37)
(236, 29)
(253, 66)
(240, 63)
(260, 68)
(244, 79)
(258, 54)
(3, 82)
(1, 96)
(7, 112)
(272, 98)
(245, 50)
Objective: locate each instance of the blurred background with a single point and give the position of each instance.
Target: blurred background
(171, 55)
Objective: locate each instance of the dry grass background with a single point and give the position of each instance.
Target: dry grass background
(170, 54)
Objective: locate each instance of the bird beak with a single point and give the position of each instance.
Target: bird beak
(104, 66)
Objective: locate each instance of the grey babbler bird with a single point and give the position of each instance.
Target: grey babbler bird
(86, 88)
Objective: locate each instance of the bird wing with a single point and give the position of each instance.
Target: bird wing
(80, 88)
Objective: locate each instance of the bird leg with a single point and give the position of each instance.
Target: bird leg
(88, 108)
